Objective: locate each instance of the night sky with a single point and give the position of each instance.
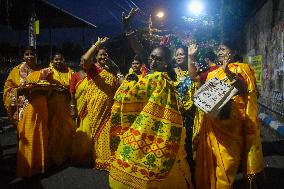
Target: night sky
(106, 15)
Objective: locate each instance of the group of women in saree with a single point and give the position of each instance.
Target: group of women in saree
(37, 102)
(61, 115)
(145, 129)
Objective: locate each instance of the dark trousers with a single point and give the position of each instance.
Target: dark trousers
(188, 121)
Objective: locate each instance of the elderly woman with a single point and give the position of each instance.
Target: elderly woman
(233, 136)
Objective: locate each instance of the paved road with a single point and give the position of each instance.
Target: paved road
(75, 177)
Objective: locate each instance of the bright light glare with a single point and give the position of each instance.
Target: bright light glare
(196, 7)
(160, 14)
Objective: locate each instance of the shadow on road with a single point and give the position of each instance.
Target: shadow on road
(273, 148)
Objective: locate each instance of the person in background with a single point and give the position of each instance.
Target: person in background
(61, 126)
(210, 58)
(82, 143)
(138, 69)
(75, 81)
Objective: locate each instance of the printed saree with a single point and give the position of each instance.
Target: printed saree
(94, 98)
(147, 136)
(30, 113)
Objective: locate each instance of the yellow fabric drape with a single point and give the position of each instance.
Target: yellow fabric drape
(32, 125)
(224, 144)
(147, 136)
(82, 145)
(144, 71)
(94, 98)
(60, 124)
(99, 109)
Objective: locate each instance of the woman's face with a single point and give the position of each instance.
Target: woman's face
(102, 57)
(224, 53)
(29, 56)
(58, 60)
(157, 60)
(136, 66)
(180, 56)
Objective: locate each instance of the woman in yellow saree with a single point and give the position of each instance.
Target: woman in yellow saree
(60, 124)
(147, 137)
(94, 98)
(28, 110)
(233, 137)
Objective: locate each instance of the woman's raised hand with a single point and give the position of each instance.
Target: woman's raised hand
(192, 49)
(101, 40)
(126, 18)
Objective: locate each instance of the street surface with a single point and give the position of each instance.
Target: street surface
(83, 176)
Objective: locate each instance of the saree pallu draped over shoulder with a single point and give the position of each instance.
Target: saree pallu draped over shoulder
(225, 143)
(60, 123)
(94, 101)
(31, 113)
(147, 136)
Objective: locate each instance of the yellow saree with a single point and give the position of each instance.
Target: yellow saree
(31, 114)
(224, 144)
(82, 145)
(60, 124)
(147, 136)
(94, 101)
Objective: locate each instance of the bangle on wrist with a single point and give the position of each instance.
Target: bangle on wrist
(97, 44)
(119, 75)
(72, 105)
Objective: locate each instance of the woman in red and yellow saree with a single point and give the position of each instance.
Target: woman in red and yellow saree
(94, 98)
(60, 123)
(233, 137)
(147, 137)
(28, 110)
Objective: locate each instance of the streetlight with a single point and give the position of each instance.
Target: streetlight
(160, 14)
(195, 7)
